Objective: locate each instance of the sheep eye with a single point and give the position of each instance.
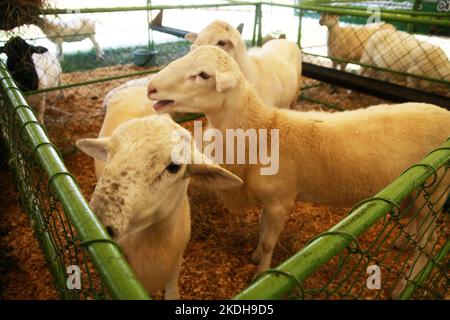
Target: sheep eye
(204, 75)
(173, 167)
(221, 43)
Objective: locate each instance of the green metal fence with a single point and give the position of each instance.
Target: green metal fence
(333, 265)
(68, 231)
(368, 236)
(70, 234)
(259, 21)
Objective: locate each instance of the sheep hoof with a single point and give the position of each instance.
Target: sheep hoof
(395, 294)
(256, 256)
(402, 244)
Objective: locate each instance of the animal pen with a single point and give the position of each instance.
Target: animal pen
(333, 263)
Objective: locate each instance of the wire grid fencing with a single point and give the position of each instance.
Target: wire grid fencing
(380, 42)
(95, 54)
(416, 60)
(394, 245)
(82, 81)
(74, 242)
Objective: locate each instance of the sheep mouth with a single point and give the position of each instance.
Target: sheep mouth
(161, 104)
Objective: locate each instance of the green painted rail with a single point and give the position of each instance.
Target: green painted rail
(321, 250)
(106, 256)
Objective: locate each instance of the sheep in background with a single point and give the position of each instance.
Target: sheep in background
(268, 37)
(70, 31)
(33, 68)
(401, 51)
(347, 43)
(336, 159)
(130, 83)
(274, 69)
(142, 196)
(124, 105)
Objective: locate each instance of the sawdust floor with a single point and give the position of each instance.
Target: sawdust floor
(217, 260)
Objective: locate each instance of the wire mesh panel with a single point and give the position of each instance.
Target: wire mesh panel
(376, 40)
(394, 245)
(80, 255)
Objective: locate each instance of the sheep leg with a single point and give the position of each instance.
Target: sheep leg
(41, 109)
(98, 49)
(402, 241)
(274, 215)
(299, 86)
(257, 253)
(60, 50)
(425, 235)
(172, 291)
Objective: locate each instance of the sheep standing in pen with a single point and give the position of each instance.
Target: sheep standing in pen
(336, 159)
(401, 51)
(70, 31)
(142, 196)
(347, 43)
(126, 104)
(130, 83)
(274, 69)
(33, 68)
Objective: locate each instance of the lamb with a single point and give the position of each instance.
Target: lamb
(336, 159)
(129, 103)
(269, 37)
(142, 196)
(70, 31)
(274, 69)
(347, 43)
(33, 68)
(131, 83)
(401, 51)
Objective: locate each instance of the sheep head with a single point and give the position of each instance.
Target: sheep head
(145, 178)
(17, 48)
(220, 34)
(328, 20)
(197, 82)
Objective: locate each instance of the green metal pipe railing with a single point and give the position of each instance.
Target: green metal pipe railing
(106, 256)
(145, 8)
(406, 74)
(395, 11)
(384, 15)
(79, 84)
(362, 217)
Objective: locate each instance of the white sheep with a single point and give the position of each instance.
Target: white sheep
(336, 159)
(70, 31)
(274, 69)
(126, 104)
(33, 68)
(347, 43)
(142, 196)
(401, 51)
(130, 83)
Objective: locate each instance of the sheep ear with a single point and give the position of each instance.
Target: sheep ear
(38, 49)
(225, 81)
(96, 148)
(240, 27)
(212, 175)
(191, 37)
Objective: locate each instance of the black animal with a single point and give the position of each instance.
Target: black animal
(20, 64)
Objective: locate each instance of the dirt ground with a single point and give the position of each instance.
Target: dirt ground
(217, 260)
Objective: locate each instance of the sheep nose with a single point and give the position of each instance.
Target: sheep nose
(151, 90)
(110, 231)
